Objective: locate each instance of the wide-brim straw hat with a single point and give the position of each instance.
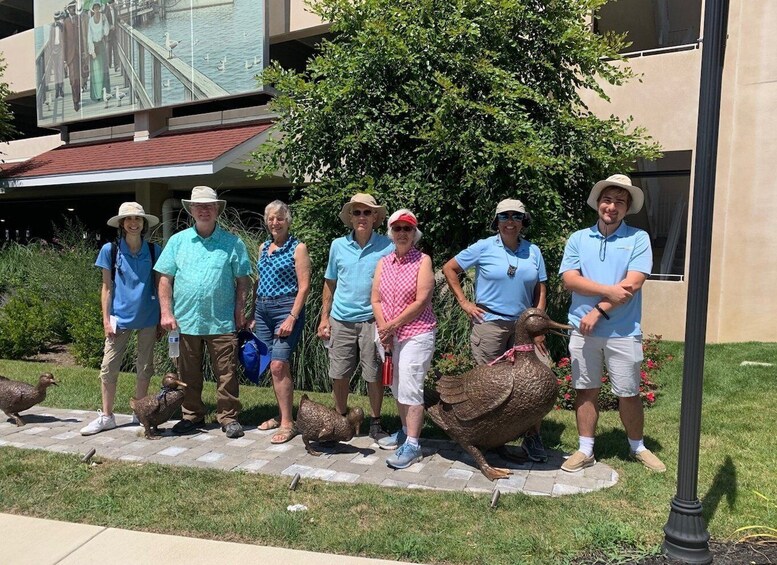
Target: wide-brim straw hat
(366, 200)
(507, 205)
(128, 209)
(203, 195)
(621, 181)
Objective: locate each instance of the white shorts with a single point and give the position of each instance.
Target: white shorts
(412, 359)
(622, 355)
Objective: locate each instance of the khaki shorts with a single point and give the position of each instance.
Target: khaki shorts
(353, 345)
(489, 340)
(622, 355)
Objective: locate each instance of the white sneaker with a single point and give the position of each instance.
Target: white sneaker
(100, 424)
(135, 421)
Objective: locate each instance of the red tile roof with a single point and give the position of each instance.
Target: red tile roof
(172, 148)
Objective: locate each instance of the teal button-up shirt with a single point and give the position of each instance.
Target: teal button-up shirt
(205, 270)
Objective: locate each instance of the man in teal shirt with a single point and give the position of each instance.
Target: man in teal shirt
(347, 321)
(202, 292)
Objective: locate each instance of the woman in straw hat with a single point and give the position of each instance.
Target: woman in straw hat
(402, 301)
(129, 303)
(509, 278)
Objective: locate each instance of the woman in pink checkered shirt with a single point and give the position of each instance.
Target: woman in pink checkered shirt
(402, 303)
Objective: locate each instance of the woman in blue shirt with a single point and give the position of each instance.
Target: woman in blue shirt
(509, 278)
(129, 303)
(280, 293)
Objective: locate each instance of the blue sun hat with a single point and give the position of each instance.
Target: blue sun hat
(253, 355)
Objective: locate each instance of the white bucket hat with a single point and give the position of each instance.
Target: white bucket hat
(203, 195)
(621, 181)
(128, 209)
(507, 205)
(366, 200)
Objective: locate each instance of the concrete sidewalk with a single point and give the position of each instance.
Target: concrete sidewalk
(33, 541)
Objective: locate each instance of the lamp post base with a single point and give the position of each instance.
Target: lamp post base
(685, 534)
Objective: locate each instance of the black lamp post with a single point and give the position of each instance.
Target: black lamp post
(685, 533)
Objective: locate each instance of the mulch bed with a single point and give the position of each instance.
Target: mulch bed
(724, 553)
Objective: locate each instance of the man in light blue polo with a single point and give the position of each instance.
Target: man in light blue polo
(604, 267)
(347, 322)
(202, 291)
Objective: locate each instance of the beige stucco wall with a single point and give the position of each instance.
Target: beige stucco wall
(18, 52)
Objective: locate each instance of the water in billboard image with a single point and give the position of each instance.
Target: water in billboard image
(106, 57)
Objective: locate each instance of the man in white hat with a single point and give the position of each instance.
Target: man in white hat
(202, 291)
(129, 304)
(604, 267)
(347, 320)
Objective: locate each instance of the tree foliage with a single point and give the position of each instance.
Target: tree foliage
(447, 107)
(7, 129)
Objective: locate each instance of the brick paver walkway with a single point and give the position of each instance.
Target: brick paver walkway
(445, 465)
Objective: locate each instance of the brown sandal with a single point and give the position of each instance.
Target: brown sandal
(283, 435)
(270, 424)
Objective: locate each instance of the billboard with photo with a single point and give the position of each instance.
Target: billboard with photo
(98, 58)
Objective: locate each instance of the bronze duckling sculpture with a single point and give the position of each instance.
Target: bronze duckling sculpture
(492, 405)
(316, 422)
(156, 409)
(17, 397)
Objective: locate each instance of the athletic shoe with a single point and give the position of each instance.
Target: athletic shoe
(577, 462)
(393, 441)
(187, 427)
(135, 421)
(532, 445)
(376, 430)
(100, 424)
(405, 456)
(649, 460)
(234, 430)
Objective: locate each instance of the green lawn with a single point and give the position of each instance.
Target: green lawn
(737, 459)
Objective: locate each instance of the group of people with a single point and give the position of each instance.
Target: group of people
(83, 44)
(376, 302)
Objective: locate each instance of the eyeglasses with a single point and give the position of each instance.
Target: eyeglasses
(361, 212)
(504, 216)
(407, 229)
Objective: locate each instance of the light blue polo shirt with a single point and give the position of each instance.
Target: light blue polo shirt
(628, 249)
(353, 268)
(134, 303)
(205, 270)
(494, 288)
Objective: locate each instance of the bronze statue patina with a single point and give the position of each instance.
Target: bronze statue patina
(492, 405)
(316, 422)
(17, 397)
(156, 409)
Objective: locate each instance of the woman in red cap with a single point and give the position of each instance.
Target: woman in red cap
(402, 303)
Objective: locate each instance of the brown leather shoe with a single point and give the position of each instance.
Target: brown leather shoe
(577, 462)
(649, 460)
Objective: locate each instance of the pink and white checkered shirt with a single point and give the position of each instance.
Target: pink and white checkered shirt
(398, 286)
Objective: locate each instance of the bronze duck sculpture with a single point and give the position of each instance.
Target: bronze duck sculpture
(492, 405)
(316, 422)
(156, 409)
(17, 397)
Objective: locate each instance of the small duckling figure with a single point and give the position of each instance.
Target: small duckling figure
(17, 397)
(156, 409)
(316, 422)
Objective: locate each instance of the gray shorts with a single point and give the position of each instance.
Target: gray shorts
(489, 340)
(622, 355)
(352, 345)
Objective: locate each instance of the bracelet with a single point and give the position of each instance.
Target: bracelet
(293, 316)
(602, 312)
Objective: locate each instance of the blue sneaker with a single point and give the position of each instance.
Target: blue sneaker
(532, 445)
(405, 456)
(393, 441)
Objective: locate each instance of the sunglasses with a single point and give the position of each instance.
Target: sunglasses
(504, 216)
(361, 212)
(407, 229)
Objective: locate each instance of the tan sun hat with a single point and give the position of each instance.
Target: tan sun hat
(621, 181)
(128, 209)
(203, 195)
(507, 205)
(366, 200)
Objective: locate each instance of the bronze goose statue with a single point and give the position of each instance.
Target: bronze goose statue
(316, 422)
(17, 397)
(492, 405)
(156, 409)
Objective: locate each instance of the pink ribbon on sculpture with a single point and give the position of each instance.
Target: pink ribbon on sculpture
(510, 353)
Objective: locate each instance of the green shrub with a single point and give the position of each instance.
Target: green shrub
(86, 329)
(25, 322)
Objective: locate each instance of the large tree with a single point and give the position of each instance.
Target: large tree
(7, 129)
(447, 107)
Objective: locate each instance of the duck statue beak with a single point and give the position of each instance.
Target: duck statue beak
(555, 328)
